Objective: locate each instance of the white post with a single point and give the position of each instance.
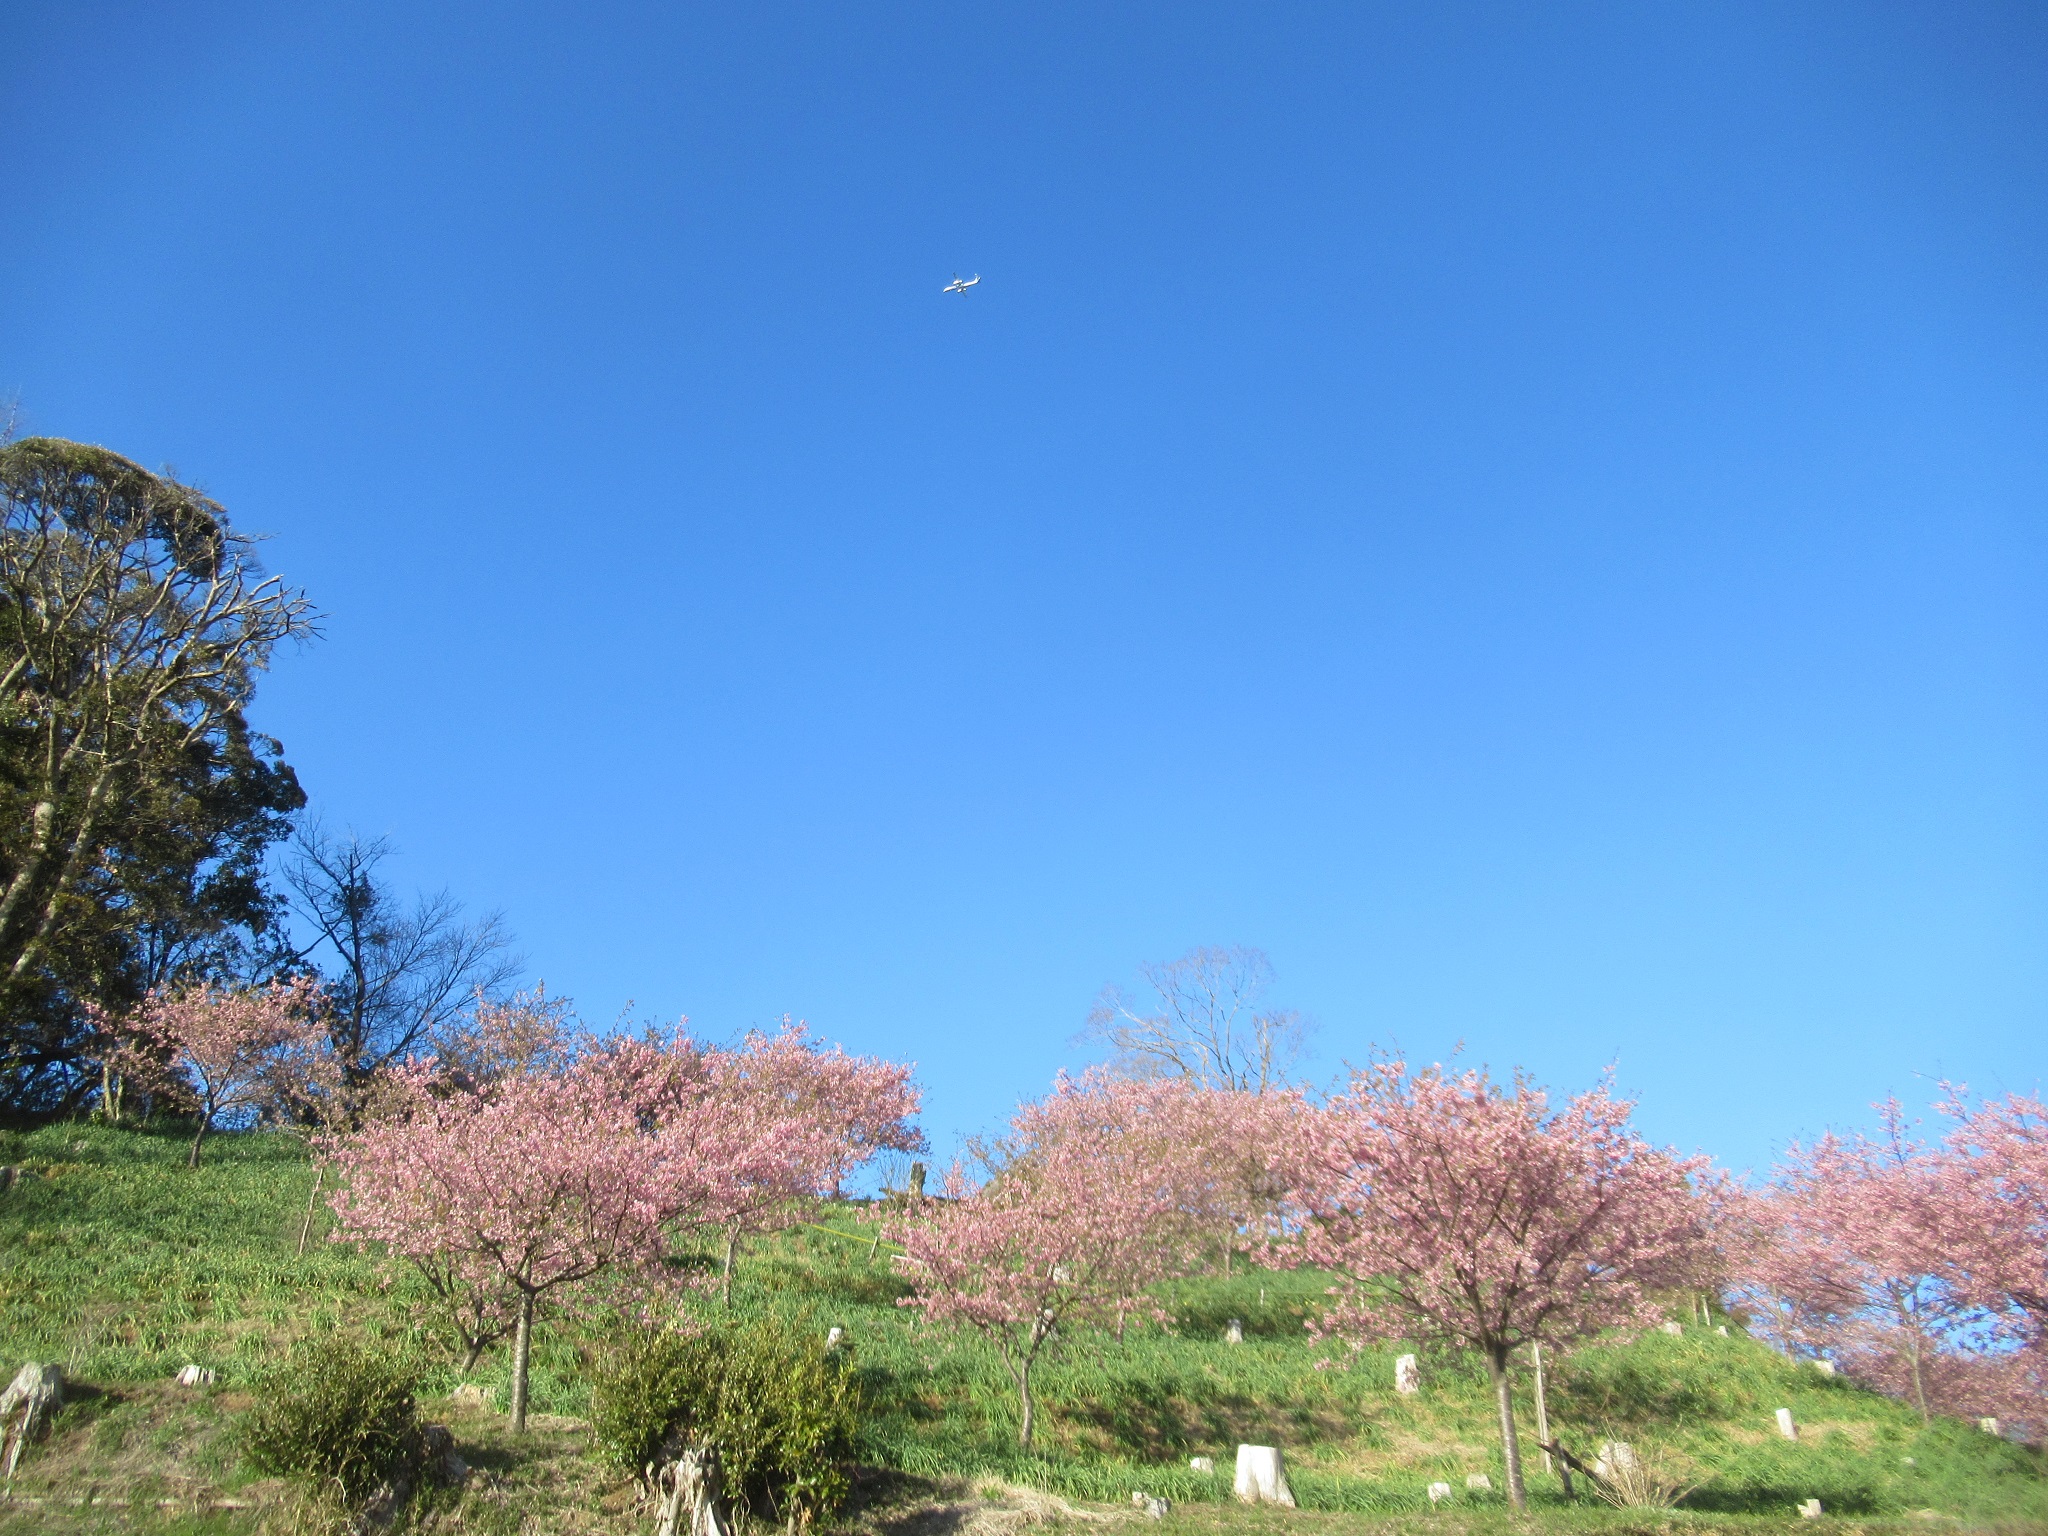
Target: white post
(1407, 1376)
(1785, 1425)
(1542, 1409)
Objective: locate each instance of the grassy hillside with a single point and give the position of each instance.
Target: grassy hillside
(124, 1266)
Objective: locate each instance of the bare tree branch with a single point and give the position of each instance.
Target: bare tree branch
(1204, 1023)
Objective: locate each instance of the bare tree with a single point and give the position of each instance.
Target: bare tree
(1205, 1022)
(396, 975)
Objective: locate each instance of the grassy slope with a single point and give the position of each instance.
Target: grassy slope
(122, 1265)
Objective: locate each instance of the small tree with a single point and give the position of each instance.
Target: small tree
(545, 1183)
(1088, 1209)
(1464, 1214)
(800, 1117)
(1842, 1261)
(232, 1053)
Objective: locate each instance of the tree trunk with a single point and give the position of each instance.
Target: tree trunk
(1024, 1404)
(205, 1124)
(732, 1242)
(472, 1351)
(1919, 1389)
(1511, 1448)
(306, 1226)
(522, 1348)
(1542, 1407)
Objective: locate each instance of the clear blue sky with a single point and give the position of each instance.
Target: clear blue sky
(1531, 514)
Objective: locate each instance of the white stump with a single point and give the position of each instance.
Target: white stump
(1810, 1510)
(1825, 1367)
(1722, 1330)
(833, 1336)
(1674, 1329)
(1989, 1426)
(1201, 1463)
(1407, 1376)
(195, 1376)
(1617, 1458)
(1262, 1476)
(1439, 1491)
(36, 1390)
(1479, 1482)
(1233, 1331)
(1785, 1425)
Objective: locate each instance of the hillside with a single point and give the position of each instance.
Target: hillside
(123, 1266)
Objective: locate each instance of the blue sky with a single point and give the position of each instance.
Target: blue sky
(1531, 515)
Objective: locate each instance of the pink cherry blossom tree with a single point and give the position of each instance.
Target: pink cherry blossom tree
(546, 1182)
(1842, 1261)
(1473, 1215)
(232, 1053)
(811, 1115)
(1089, 1206)
(1989, 1214)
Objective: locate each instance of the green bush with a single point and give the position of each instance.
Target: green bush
(336, 1415)
(782, 1411)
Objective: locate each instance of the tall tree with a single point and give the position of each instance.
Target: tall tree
(397, 974)
(1206, 1023)
(135, 804)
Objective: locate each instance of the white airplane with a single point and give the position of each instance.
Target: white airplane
(961, 284)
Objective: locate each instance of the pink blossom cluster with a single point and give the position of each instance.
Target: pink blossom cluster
(552, 1159)
(255, 1052)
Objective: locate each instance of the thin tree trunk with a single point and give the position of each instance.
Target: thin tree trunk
(732, 1242)
(1919, 1388)
(306, 1226)
(1542, 1407)
(205, 1123)
(522, 1348)
(473, 1351)
(1511, 1448)
(1024, 1404)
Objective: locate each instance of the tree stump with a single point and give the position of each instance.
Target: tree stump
(1262, 1476)
(36, 1390)
(690, 1494)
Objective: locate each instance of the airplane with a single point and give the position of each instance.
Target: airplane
(961, 284)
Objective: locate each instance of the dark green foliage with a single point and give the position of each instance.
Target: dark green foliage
(781, 1409)
(336, 1415)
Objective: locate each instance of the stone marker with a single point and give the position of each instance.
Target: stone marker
(1722, 1330)
(1785, 1425)
(1479, 1482)
(1201, 1463)
(1989, 1426)
(1674, 1329)
(195, 1376)
(1407, 1376)
(1262, 1476)
(1233, 1331)
(1810, 1510)
(1156, 1509)
(1439, 1491)
(1137, 1498)
(1825, 1367)
(833, 1336)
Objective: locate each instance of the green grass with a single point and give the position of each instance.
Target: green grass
(123, 1265)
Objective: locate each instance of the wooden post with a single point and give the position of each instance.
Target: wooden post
(306, 1226)
(1542, 1408)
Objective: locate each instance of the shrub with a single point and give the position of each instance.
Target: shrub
(336, 1415)
(782, 1411)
